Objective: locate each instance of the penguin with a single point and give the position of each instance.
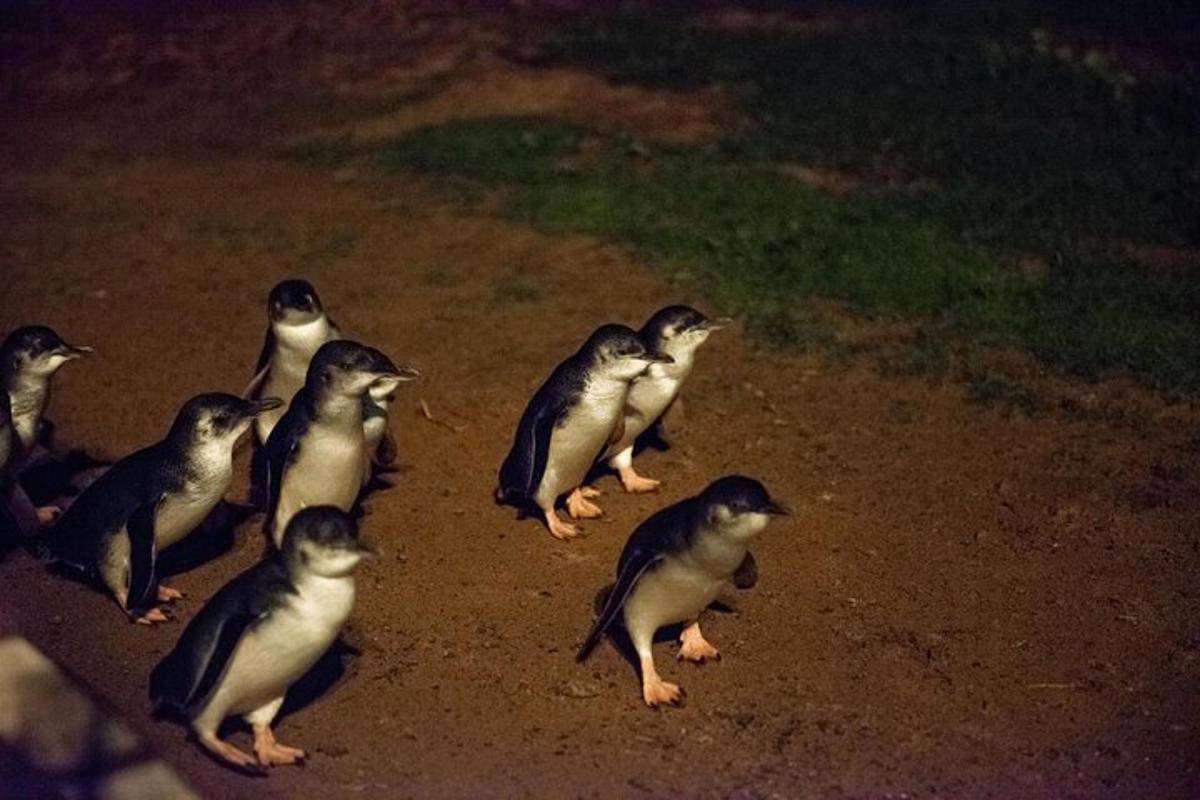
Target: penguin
(297, 327)
(317, 454)
(569, 422)
(677, 331)
(151, 499)
(673, 566)
(260, 633)
(29, 357)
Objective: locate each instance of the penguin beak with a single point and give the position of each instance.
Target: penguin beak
(656, 357)
(403, 374)
(266, 404)
(776, 508)
(716, 324)
(70, 351)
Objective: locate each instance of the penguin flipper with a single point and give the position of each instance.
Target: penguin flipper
(634, 567)
(254, 387)
(278, 450)
(143, 554)
(187, 676)
(522, 471)
(263, 363)
(746, 575)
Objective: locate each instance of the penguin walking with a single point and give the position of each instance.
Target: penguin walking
(317, 453)
(569, 422)
(673, 567)
(677, 331)
(297, 326)
(150, 500)
(260, 633)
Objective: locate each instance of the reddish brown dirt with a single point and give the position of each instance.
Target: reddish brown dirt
(964, 605)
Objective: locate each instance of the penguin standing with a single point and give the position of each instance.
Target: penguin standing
(673, 567)
(677, 331)
(260, 633)
(317, 454)
(152, 499)
(568, 423)
(29, 357)
(297, 327)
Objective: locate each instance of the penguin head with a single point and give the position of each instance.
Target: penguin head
(350, 368)
(324, 540)
(680, 329)
(294, 302)
(37, 351)
(738, 506)
(620, 354)
(218, 418)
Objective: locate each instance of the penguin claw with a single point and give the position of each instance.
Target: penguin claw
(657, 692)
(152, 616)
(561, 530)
(47, 514)
(167, 594)
(579, 507)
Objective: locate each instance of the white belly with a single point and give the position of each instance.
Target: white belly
(648, 399)
(575, 443)
(275, 652)
(327, 471)
(674, 592)
(182, 512)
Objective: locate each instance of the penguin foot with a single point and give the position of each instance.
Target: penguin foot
(589, 491)
(167, 595)
(637, 484)
(228, 752)
(152, 616)
(47, 514)
(270, 752)
(697, 650)
(560, 529)
(657, 691)
(579, 507)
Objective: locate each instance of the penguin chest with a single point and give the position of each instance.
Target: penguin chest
(181, 512)
(648, 399)
(674, 592)
(577, 440)
(328, 470)
(281, 647)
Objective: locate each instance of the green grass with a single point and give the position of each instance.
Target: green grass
(515, 288)
(1029, 151)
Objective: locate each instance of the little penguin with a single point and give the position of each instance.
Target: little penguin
(29, 357)
(317, 454)
(677, 331)
(151, 499)
(297, 327)
(673, 566)
(260, 633)
(569, 422)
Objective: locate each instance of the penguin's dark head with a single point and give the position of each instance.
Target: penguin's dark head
(350, 368)
(738, 506)
(620, 354)
(218, 418)
(294, 302)
(324, 540)
(36, 351)
(680, 329)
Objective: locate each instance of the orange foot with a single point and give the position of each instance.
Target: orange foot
(698, 650)
(270, 752)
(166, 594)
(636, 484)
(560, 529)
(656, 691)
(578, 505)
(228, 752)
(47, 514)
(152, 616)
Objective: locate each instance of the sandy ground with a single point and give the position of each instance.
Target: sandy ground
(964, 605)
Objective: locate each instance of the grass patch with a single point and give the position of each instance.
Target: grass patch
(1032, 150)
